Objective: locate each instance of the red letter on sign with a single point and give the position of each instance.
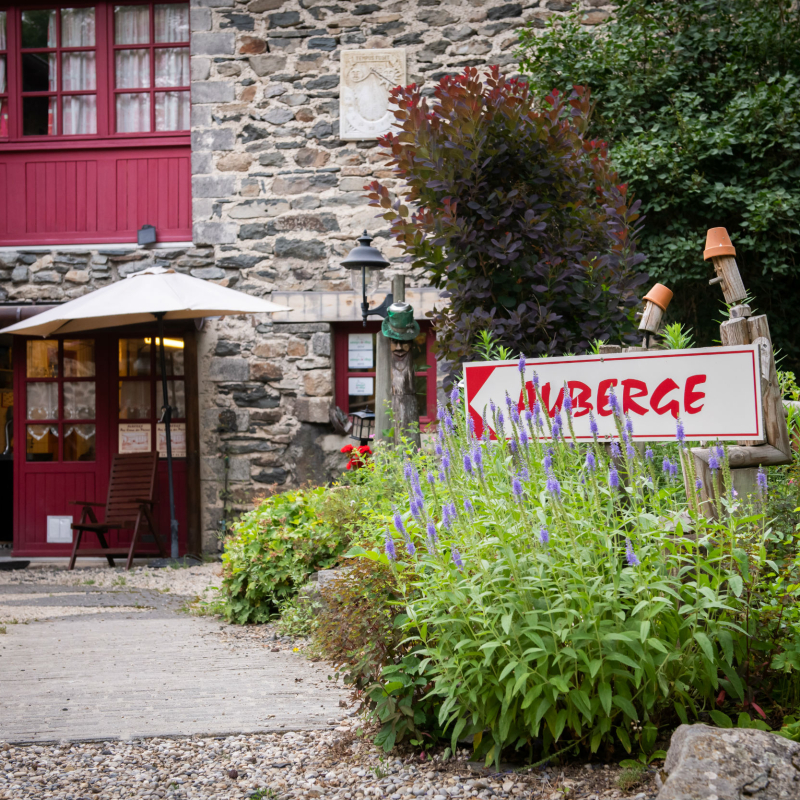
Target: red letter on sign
(546, 399)
(580, 394)
(530, 394)
(664, 388)
(690, 396)
(602, 397)
(631, 389)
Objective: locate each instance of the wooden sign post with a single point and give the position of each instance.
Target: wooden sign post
(400, 328)
(742, 328)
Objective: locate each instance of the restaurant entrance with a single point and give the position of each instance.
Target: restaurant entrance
(79, 400)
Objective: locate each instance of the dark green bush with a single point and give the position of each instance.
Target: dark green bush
(271, 552)
(698, 100)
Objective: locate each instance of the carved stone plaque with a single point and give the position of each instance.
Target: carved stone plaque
(366, 80)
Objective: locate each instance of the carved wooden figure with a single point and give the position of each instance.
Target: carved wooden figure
(655, 304)
(400, 328)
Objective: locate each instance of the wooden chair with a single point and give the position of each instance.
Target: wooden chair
(131, 491)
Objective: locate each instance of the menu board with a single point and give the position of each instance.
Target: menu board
(360, 387)
(134, 437)
(177, 437)
(359, 351)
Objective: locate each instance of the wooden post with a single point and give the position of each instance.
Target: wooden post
(404, 398)
(383, 370)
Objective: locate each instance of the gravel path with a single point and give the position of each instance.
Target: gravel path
(333, 764)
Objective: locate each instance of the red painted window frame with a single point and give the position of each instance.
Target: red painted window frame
(105, 91)
(4, 95)
(342, 373)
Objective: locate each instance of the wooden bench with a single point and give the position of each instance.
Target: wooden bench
(131, 497)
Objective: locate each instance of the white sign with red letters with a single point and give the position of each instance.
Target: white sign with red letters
(716, 391)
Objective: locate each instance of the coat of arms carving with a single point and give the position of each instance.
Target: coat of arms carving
(366, 81)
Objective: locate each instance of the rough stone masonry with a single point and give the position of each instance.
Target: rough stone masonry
(278, 201)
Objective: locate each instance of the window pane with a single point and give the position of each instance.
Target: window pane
(77, 27)
(78, 71)
(39, 28)
(79, 114)
(42, 401)
(172, 111)
(39, 116)
(173, 355)
(361, 393)
(2, 74)
(131, 24)
(41, 443)
(176, 392)
(134, 400)
(421, 390)
(39, 72)
(79, 400)
(419, 352)
(172, 66)
(133, 69)
(79, 443)
(3, 30)
(133, 112)
(134, 357)
(172, 22)
(79, 358)
(42, 358)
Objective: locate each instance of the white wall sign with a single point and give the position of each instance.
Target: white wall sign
(366, 80)
(135, 437)
(59, 530)
(177, 431)
(360, 387)
(716, 391)
(359, 351)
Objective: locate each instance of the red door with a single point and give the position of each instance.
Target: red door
(79, 400)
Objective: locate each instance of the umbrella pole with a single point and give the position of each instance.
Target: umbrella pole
(167, 416)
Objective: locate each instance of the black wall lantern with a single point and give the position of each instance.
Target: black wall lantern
(363, 425)
(146, 235)
(365, 257)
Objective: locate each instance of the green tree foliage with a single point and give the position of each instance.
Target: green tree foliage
(514, 213)
(698, 99)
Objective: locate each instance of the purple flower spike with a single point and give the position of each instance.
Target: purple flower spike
(416, 510)
(615, 451)
(680, 433)
(593, 425)
(761, 480)
(509, 403)
(516, 488)
(471, 425)
(698, 484)
(535, 380)
(515, 415)
(649, 454)
(513, 445)
(431, 478)
(713, 462)
(548, 460)
(537, 408)
(442, 477)
(408, 471)
(446, 461)
(629, 425)
(454, 395)
(591, 463)
(673, 468)
(477, 457)
(524, 475)
(613, 403)
(523, 437)
(467, 464)
(544, 535)
(500, 419)
(556, 430)
(630, 556)
(521, 365)
(567, 401)
(613, 477)
(410, 547)
(492, 406)
(468, 507)
(398, 523)
(431, 528)
(438, 450)
(553, 486)
(629, 451)
(665, 466)
(390, 550)
(456, 556)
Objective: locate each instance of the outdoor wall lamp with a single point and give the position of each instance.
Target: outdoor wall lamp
(364, 256)
(363, 424)
(146, 235)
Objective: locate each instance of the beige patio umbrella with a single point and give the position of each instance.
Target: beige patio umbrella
(154, 294)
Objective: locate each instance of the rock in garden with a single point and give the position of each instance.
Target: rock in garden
(706, 763)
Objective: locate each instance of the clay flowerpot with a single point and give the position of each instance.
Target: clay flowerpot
(660, 295)
(718, 243)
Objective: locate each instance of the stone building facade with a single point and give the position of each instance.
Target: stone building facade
(277, 202)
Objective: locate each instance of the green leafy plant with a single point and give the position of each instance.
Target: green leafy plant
(514, 212)
(676, 337)
(298, 616)
(697, 99)
(270, 553)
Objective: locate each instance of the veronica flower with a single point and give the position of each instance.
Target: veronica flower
(680, 433)
(698, 484)
(591, 463)
(446, 461)
(440, 412)
(432, 537)
(649, 454)
(713, 461)
(390, 550)
(515, 415)
(761, 480)
(521, 365)
(547, 463)
(613, 403)
(442, 477)
(438, 449)
(408, 471)
(629, 425)
(454, 395)
(556, 429)
(509, 402)
(615, 451)
(492, 406)
(523, 437)
(537, 408)
(467, 464)
(410, 547)
(456, 556)
(416, 510)
(665, 465)
(567, 401)
(516, 488)
(593, 425)
(398, 523)
(524, 474)
(673, 468)
(629, 451)
(613, 477)
(448, 516)
(553, 486)
(513, 445)
(528, 416)
(477, 457)
(630, 556)
(431, 478)
(544, 535)
(468, 507)
(471, 425)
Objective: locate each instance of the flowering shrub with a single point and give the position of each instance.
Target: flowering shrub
(572, 594)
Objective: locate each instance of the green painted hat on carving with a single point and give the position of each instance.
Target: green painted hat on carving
(400, 323)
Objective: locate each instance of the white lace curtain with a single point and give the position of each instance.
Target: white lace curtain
(171, 67)
(78, 69)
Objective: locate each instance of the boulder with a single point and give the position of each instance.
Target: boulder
(705, 763)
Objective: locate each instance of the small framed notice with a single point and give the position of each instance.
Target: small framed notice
(177, 437)
(360, 387)
(135, 437)
(359, 351)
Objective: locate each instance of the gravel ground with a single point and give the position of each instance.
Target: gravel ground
(333, 764)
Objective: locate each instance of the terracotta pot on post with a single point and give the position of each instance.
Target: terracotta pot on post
(722, 252)
(655, 304)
